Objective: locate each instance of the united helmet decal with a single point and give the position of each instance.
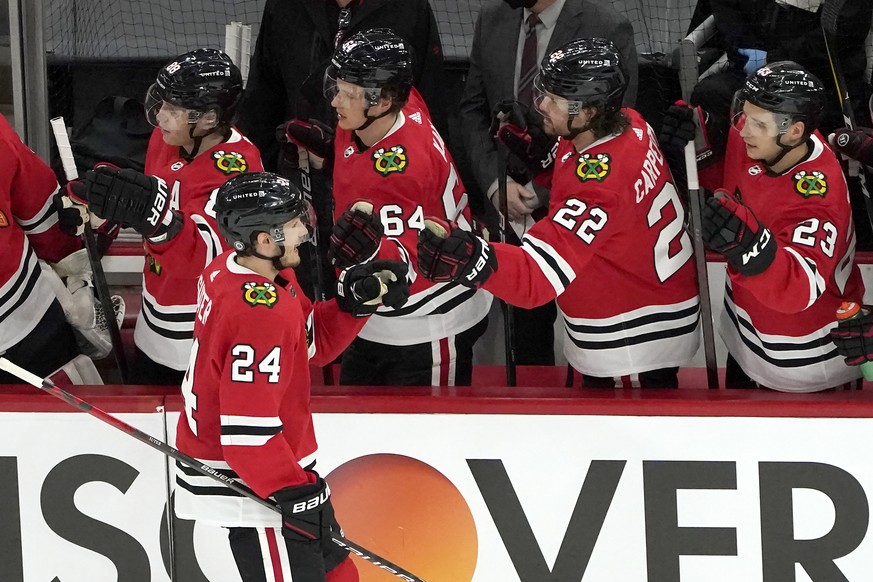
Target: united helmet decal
(810, 183)
(260, 294)
(390, 161)
(593, 168)
(230, 162)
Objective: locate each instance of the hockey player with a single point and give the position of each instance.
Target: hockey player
(247, 386)
(34, 332)
(193, 150)
(388, 153)
(783, 222)
(613, 249)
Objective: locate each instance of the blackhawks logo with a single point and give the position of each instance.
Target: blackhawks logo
(810, 183)
(4, 222)
(596, 168)
(260, 294)
(391, 160)
(229, 162)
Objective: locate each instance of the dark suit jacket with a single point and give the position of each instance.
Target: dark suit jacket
(294, 45)
(492, 67)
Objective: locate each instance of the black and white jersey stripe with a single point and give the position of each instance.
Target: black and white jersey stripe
(439, 311)
(27, 288)
(201, 498)
(248, 431)
(165, 333)
(791, 363)
(652, 337)
(558, 271)
(810, 269)
(42, 220)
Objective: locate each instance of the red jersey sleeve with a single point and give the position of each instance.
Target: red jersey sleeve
(329, 329)
(31, 186)
(555, 250)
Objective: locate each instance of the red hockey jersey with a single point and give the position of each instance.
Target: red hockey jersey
(615, 253)
(247, 389)
(166, 321)
(28, 230)
(409, 175)
(776, 324)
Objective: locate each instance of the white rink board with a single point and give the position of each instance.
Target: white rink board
(546, 459)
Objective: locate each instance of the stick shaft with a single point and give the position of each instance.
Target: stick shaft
(98, 277)
(688, 78)
(508, 310)
(48, 386)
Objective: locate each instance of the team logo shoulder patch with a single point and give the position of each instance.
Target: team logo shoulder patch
(4, 222)
(593, 167)
(390, 161)
(260, 294)
(229, 162)
(812, 183)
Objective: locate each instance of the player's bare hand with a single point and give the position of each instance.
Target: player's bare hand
(519, 200)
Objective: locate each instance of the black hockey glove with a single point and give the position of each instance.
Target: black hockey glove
(129, 197)
(356, 236)
(854, 143)
(447, 253)
(854, 338)
(306, 511)
(360, 289)
(72, 216)
(531, 150)
(732, 229)
(679, 127)
(313, 136)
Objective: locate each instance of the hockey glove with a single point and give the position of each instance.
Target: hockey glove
(531, 150)
(731, 228)
(306, 511)
(854, 143)
(362, 288)
(130, 197)
(447, 253)
(74, 289)
(854, 339)
(71, 215)
(679, 127)
(356, 236)
(313, 136)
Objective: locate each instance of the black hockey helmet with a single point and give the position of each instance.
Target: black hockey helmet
(374, 59)
(585, 72)
(786, 89)
(200, 80)
(259, 202)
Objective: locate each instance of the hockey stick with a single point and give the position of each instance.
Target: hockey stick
(48, 386)
(508, 310)
(688, 79)
(314, 255)
(98, 276)
(830, 12)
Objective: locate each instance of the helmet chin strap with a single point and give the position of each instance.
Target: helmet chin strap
(371, 118)
(573, 132)
(784, 150)
(198, 140)
(277, 260)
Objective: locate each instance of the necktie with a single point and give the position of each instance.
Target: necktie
(529, 64)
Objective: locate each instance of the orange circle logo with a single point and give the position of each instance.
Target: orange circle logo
(407, 512)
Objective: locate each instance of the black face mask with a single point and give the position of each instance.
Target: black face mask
(521, 3)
